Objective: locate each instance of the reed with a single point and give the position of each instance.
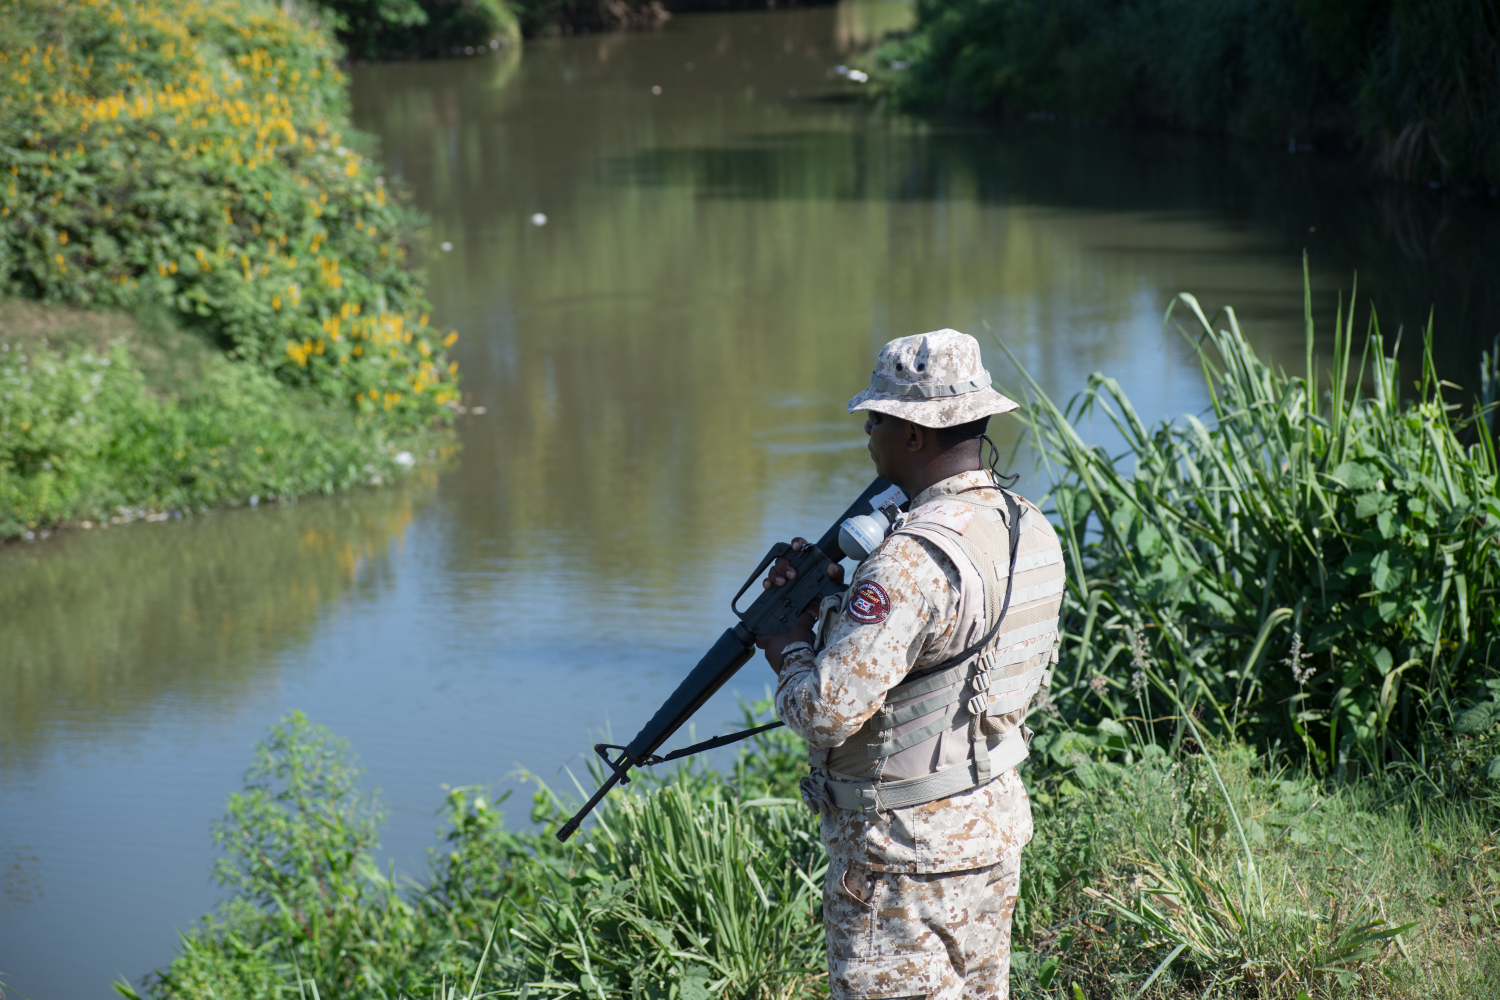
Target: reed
(1313, 572)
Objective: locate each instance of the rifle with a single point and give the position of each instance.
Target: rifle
(773, 612)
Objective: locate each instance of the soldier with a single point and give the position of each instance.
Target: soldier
(914, 692)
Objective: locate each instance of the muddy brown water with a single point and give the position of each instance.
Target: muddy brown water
(663, 367)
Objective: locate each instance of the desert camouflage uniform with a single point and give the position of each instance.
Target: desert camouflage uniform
(918, 900)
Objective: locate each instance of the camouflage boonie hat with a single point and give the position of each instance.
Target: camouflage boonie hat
(934, 379)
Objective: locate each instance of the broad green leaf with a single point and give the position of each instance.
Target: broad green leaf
(1478, 719)
(1369, 504)
(1386, 572)
(1356, 476)
(1148, 541)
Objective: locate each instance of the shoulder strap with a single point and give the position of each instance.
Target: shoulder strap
(1013, 515)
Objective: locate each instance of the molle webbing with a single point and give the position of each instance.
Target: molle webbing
(957, 686)
(872, 796)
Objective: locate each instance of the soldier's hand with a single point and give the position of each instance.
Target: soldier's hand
(781, 570)
(801, 631)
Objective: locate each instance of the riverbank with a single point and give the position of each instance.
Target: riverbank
(426, 29)
(1238, 790)
(1412, 86)
(1147, 877)
(186, 163)
(108, 418)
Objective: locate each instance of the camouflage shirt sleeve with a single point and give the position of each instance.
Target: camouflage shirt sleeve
(870, 646)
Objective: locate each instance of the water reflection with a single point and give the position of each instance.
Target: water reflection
(99, 629)
(672, 349)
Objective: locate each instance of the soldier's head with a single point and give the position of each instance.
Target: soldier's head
(927, 407)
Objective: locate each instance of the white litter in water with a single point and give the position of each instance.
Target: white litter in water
(656, 91)
(404, 459)
(858, 76)
(539, 219)
(841, 71)
(447, 246)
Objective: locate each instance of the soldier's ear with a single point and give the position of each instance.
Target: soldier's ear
(916, 436)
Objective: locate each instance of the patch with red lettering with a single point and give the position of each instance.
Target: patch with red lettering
(869, 604)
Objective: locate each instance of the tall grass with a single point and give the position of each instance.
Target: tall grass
(1139, 880)
(1314, 572)
(699, 885)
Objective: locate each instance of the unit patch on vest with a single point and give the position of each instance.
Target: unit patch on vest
(869, 603)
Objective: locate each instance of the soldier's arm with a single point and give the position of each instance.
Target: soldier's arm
(886, 623)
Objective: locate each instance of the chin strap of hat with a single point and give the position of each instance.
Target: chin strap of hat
(994, 465)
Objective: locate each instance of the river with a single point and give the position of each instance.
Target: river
(662, 366)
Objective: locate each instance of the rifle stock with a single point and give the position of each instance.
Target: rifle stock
(769, 614)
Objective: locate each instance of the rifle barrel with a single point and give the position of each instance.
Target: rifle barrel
(730, 652)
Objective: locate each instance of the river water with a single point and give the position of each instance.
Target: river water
(662, 366)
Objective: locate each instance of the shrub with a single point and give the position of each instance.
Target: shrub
(192, 153)
(85, 434)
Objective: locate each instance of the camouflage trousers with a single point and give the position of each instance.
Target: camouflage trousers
(944, 936)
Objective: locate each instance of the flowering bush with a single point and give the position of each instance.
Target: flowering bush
(190, 152)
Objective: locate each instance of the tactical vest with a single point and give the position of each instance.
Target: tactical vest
(953, 726)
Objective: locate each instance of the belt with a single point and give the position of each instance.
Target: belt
(861, 795)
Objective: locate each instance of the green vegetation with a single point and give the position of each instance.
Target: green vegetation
(1414, 81)
(1206, 825)
(707, 884)
(187, 155)
(393, 29)
(1360, 532)
(106, 418)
